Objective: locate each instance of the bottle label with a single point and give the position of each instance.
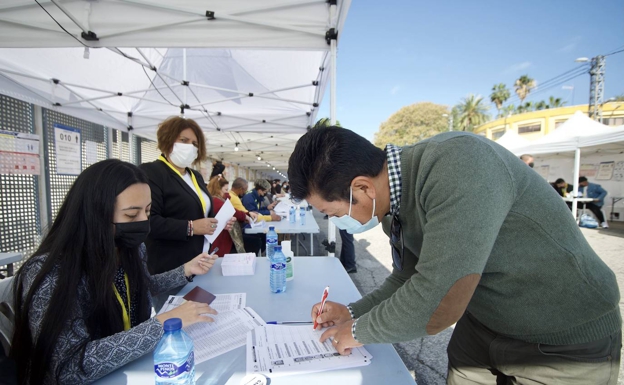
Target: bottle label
(278, 266)
(289, 268)
(171, 370)
(272, 241)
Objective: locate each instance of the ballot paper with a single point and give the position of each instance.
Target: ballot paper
(222, 302)
(226, 333)
(238, 264)
(280, 350)
(223, 216)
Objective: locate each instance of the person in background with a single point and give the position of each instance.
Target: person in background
(218, 168)
(83, 301)
(501, 260)
(253, 242)
(276, 189)
(563, 189)
(528, 160)
(347, 252)
(253, 200)
(218, 187)
(182, 210)
(595, 191)
(286, 187)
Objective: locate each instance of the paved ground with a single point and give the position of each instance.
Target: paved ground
(426, 357)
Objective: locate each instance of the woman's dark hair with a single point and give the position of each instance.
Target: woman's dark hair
(560, 180)
(327, 159)
(79, 246)
(217, 168)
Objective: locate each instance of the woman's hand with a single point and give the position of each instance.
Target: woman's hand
(230, 223)
(333, 314)
(342, 338)
(253, 215)
(204, 226)
(189, 312)
(199, 265)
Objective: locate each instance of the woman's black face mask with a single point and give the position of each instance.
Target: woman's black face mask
(131, 234)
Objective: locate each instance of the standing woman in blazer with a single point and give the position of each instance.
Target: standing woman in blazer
(182, 210)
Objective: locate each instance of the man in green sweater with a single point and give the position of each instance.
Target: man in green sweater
(478, 239)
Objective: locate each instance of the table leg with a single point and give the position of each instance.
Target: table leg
(297, 235)
(10, 270)
(311, 244)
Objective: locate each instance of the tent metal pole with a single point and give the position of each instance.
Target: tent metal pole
(193, 19)
(185, 78)
(109, 142)
(577, 170)
(70, 16)
(31, 25)
(283, 99)
(331, 228)
(44, 215)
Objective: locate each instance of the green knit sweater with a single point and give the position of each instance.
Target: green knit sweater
(468, 206)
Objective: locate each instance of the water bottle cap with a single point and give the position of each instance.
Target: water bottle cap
(277, 248)
(271, 228)
(172, 324)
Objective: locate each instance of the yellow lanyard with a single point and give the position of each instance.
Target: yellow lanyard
(125, 312)
(199, 191)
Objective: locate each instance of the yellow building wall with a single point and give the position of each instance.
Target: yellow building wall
(546, 118)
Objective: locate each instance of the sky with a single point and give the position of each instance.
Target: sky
(393, 54)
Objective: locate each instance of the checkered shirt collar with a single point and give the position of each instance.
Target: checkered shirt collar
(393, 153)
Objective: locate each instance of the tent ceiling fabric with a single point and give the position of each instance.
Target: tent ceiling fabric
(283, 24)
(255, 74)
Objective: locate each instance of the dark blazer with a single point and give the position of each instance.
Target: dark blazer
(174, 203)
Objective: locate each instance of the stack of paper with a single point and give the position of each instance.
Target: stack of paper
(239, 264)
(279, 350)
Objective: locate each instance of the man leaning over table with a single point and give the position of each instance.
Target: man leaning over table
(502, 258)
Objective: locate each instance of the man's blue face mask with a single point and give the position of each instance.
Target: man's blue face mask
(351, 225)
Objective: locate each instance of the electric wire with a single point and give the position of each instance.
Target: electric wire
(59, 24)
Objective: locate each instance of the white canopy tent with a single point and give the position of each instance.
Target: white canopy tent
(578, 132)
(511, 140)
(251, 73)
(255, 84)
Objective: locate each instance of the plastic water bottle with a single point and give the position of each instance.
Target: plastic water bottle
(278, 271)
(292, 218)
(174, 361)
(302, 215)
(271, 241)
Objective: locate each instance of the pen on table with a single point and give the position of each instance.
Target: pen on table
(287, 322)
(320, 311)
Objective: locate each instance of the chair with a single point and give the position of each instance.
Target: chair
(7, 314)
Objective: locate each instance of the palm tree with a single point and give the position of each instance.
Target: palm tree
(541, 105)
(526, 107)
(555, 102)
(523, 86)
(472, 112)
(499, 95)
(508, 110)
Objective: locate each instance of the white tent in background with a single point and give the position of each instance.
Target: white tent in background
(578, 132)
(511, 140)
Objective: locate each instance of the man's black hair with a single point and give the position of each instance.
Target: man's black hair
(327, 159)
(582, 179)
(560, 180)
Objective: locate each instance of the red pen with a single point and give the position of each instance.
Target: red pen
(325, 293)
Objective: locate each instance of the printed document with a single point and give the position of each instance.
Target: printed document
(222, 302)
(223, 216)
(280, 350)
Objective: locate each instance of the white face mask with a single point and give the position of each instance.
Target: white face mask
(183, 155)
(352, 225)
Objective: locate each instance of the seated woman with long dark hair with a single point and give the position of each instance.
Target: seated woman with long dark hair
(83, 300)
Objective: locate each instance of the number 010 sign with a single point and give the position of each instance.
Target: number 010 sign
(68, 145)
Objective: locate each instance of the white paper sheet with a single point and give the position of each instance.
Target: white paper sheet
(222, 303)
(223, 216)
(279, 350)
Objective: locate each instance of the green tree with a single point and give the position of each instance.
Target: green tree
(555, 102)
(526, 107)
(326, 122)
(541, 105)
(619, 98)
(508, 110)
(412, 124)
(523, 87)
(472, 112)
(500, 94)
